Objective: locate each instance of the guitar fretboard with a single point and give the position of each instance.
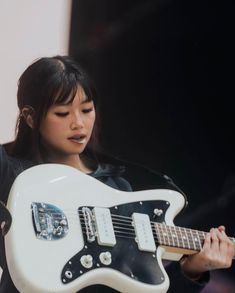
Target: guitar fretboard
(179, 237)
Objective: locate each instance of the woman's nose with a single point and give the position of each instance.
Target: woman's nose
(77, 122)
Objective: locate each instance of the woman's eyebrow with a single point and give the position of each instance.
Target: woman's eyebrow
(84, 101)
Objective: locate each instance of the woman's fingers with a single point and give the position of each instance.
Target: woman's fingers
(218, 249)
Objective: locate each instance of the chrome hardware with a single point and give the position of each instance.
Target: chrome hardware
(89, 224)
(87, 261)
(50, 223)
(158, 212)
(68, 274)
(105, 258)
(98, 224)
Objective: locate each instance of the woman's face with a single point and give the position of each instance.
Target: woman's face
(67, 128)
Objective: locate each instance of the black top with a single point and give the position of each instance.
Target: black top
(10, 168)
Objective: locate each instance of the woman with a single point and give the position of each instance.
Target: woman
(57, 124)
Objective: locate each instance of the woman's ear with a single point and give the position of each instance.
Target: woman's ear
(28, 112)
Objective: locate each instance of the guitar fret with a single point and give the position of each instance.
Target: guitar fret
(192, 236)
(170, 235)
(188, 238)
(165, 234)
(182, 237)
(202, 236)
(175, 237)
(197, 240)
(185, 238)
(161, 233)
(179, 239)
(158, 233)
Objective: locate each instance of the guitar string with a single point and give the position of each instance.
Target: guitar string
(157, 239)
(131, 237)
(125, 219)
(131, 228)
(173, 229)
(129, 221)
(166, 239)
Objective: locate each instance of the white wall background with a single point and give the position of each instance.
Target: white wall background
(29, 29)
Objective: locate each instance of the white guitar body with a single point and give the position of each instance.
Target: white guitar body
(36, 265)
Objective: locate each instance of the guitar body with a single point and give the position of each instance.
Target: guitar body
(55, 245)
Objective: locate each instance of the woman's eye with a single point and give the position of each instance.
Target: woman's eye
(62, 114)
(87, 110)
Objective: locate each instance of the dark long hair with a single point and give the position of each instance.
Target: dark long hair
(49, 81)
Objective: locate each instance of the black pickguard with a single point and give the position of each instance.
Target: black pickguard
(126, 257)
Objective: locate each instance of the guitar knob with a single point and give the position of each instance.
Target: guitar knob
(158, 212)
(87, 261)
(105, 258)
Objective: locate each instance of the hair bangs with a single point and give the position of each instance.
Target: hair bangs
(63, 91)
(65, 94)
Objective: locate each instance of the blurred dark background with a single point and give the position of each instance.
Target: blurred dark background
(164, 71)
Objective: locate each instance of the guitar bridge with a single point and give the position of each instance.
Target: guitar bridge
(98, 223)
(50, 223)
(89, 224)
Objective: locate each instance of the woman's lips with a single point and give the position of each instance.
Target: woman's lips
(79, 139)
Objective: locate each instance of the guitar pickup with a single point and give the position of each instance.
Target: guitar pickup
(104, 226)
(143, 231)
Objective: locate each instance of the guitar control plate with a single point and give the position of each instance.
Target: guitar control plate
(49, 221)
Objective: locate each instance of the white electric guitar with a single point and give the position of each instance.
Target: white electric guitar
(70, 231)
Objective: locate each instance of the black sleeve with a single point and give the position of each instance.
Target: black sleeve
(7, 175)
(122, 184)
(179, 283)
(6, 179)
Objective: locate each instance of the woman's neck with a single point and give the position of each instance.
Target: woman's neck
(72, 161)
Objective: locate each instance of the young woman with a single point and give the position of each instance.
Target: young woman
(57, 124)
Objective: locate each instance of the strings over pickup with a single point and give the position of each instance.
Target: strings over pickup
(98, 223)
(143, 230)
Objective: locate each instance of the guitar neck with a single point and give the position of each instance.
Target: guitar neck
(180, 240)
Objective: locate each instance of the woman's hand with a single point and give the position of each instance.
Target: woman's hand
(217, 253)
